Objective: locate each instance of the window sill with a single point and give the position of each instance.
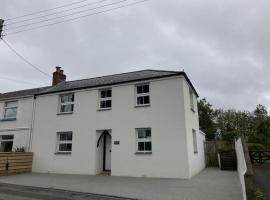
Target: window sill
(64, 113)
(62, 153)
(104, 109)
(8, 119)
(143, 153)
(144, 105)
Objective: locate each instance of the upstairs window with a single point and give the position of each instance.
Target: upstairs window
(105, 99)
(6, 143)
(195, 146)
(191, 99)
(143, 140)
(66, 103)
(64, 140)
(10, 109)
(142, 95)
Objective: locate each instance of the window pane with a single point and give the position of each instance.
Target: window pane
(146, 99)
(69, 147)
(7, 137)
(139, 89)
(140, 100)
(148, 133)
(67, 98)
(146, 89)
(10, 112)
(62, 147)
(109, 93)
(63, 137)
(6, 146)
(11, 104)
(148, 146)
(108, 103)
(103, 94)
(102, 104)
(67, 108)
(69, 136)
(140, 146)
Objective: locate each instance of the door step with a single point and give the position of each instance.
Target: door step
(108, 173)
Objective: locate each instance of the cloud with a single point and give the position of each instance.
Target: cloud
(222, 45)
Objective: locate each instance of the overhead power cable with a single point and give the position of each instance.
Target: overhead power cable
(75, 18)
(25, 60)
(55, 13)
(47, 10)
(17, 81)
(66, 15)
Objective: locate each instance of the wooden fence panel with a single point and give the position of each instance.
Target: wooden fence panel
(15, 162)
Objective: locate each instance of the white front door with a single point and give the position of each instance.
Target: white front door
(108, 152)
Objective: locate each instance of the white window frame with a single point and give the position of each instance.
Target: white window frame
(100, 99)
(63, 141)
(142, 94)
(65, 103)
(10, 107)
(6, 140)
(195, 142)
(143, 140)
(191, 100)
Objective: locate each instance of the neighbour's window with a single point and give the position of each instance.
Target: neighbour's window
(10, 109)
(64, 142)
(142, 95)
(6, 143)
(66, 103)
(191, 98)
(105, 99)
(144, 140)
(195, 146)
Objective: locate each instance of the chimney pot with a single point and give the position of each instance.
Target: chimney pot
(58, 76)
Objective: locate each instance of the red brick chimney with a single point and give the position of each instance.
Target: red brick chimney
(58, 76)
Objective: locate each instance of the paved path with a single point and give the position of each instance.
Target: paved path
(262, 178)
(211, 184)
(15, 192)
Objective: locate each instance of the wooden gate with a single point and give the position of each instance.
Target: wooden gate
(15, 162)
(211, 151)
(259, 156)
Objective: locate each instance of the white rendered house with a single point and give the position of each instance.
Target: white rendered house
(140, 124)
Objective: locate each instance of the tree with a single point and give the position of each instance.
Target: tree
(206, 118)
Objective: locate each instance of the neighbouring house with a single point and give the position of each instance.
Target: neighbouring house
(140, 124)
(16, 115)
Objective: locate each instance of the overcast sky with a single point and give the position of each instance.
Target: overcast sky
(223, 46)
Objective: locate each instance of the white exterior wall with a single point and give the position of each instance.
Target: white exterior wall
(21, 128)
(196, 160)
(241, 165)
(166, 117)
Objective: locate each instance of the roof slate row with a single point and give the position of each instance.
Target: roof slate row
(97, 82)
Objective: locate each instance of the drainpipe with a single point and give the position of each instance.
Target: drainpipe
(32, 124)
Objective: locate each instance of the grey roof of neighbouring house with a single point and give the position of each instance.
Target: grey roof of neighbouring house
(98, 82)
(22, 93)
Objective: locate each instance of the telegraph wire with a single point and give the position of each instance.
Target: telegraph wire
(54, 13)
(72, 19)
(24, 59)
(18, 81)
(47, 10)
(66, 15)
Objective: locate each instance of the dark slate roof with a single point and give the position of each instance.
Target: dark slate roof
(97, 82)
(114, 79)
(22, 93)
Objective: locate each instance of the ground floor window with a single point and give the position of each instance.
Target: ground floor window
(6, 143)
(64, 142)
(144, 140)
(195, 146)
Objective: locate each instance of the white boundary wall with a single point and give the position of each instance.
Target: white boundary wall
(241, 165)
